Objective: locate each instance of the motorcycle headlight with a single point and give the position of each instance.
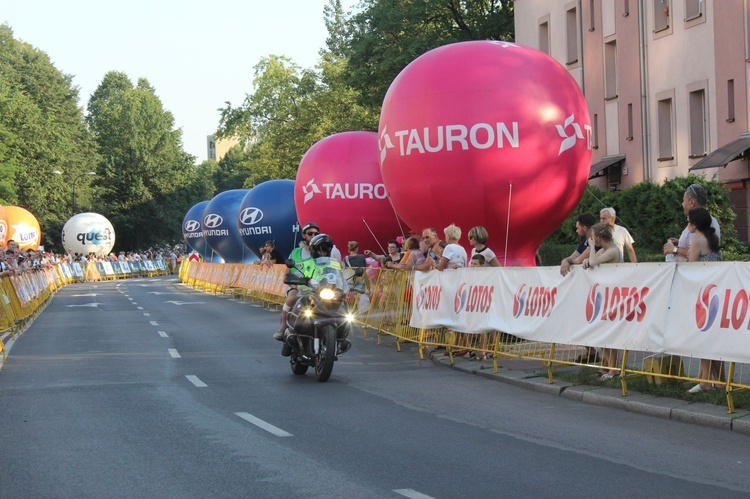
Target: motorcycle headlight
(307, 313)
(327, 294)
(349, 317)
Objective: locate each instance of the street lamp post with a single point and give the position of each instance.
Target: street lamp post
(74, 187)
(74, 182)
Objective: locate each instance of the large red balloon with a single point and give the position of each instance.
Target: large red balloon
(339, 187)
(482, 133)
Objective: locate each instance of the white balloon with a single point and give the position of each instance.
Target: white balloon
(88, 233)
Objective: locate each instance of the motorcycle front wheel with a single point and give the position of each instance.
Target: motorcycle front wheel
(327, 354)
(298, 367)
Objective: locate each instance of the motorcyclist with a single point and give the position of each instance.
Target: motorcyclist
(299, 255)
(320, 246)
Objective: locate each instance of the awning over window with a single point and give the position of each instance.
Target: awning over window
(725, 154)
(606, 161)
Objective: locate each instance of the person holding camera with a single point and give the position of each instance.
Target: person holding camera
(392, 259)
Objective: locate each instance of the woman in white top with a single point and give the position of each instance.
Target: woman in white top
(478, 237)
(454, 255)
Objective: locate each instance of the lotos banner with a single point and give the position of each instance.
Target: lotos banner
(618, 306)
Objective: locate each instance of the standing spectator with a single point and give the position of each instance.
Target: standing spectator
(478, 237)
(416, 254)
(432, 242)
(274, 256)
(676, 250)
(354, 259)
(584, 222)
(620, 235)
(454, 255)
(392, 259)
(705, 247)
(609, 253)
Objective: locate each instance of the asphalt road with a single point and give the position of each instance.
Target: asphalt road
(147, 388)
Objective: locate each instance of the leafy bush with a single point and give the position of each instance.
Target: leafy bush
(651, 213)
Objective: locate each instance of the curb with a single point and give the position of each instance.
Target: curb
(650, 405)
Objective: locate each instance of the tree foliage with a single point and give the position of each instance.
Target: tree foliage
(386, 35)
(41, 131)
(146, 181)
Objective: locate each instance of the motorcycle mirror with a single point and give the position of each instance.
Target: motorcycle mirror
(290, 263)
(359, 271)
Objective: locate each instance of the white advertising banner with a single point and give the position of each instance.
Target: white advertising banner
(709, 311)
(618, 306)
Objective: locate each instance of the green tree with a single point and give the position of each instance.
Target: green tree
(41, 131)
(146, 181)
(386, 35)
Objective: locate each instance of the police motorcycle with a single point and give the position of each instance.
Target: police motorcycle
(319, 322)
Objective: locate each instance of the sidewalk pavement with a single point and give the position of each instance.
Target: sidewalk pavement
(532, 375)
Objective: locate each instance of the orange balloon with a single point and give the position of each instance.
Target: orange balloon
(3, 227)
(23, 228)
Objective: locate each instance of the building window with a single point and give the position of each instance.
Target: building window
(693, 9)
(666, 130)
(661, 15)
(630, 122)
(698, 129)
(610, 69)
(592, 19)
(730, 101)
(544, 36)
(595, 124)
(571, 31)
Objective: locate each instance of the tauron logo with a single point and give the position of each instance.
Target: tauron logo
(212, 221)
(251, 216)
(310, 189)
(569, 141)
(192, 226)
(384, 143)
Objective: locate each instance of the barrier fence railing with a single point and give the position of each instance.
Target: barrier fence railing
(389, 313)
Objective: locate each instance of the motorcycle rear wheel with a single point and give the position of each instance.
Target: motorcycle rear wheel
(327, 354)
(298, 367)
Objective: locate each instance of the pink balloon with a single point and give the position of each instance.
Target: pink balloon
(486, 133)
(339, 187)
(3, 228)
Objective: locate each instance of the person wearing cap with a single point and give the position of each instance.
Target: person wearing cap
(676, 250)
(298, 256)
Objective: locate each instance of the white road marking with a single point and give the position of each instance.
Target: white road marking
(194, 380)
(174, 353)
(185, 302)
(139, 308)
(154, 323)
(86, 305)
(87, 294)
(263, 425)
(135, 303)
(163, 334)
(412, 494)
(146, 314)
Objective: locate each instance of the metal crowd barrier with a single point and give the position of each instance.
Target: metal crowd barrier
(389, 313)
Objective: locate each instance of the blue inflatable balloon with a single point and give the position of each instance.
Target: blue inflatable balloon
(219, 226)
(267, 213)
(192, 233)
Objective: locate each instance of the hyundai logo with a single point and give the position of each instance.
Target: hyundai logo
(212, 221)
(192, 226)
(251, 216)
